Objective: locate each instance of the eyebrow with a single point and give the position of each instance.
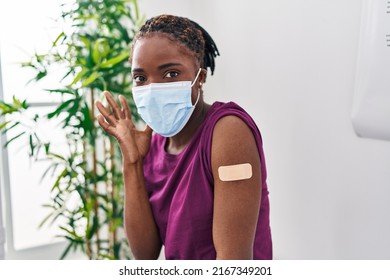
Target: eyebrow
(161, 67)
(167, 65)
(137, 70)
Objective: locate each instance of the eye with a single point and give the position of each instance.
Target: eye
(171, 74)
(139, 79)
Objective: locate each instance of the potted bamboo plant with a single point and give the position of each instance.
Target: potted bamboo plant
(87, 189)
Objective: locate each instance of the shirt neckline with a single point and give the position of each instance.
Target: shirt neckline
(179, 155)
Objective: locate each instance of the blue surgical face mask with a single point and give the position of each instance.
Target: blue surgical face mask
(165, 107)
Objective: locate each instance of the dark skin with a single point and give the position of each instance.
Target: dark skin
(158, 59)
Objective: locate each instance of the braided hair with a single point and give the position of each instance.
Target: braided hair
(186, 31)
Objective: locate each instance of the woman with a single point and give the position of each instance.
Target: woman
(198, 185)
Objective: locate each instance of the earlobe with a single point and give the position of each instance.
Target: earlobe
(203, 77)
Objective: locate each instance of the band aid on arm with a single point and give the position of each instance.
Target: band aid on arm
(235, 172)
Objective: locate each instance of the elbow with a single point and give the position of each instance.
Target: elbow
(142, 255)
(235, 254)
(145, 253)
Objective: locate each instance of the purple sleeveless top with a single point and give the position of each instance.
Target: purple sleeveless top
(181, 190)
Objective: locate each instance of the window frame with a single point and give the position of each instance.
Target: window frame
(3, 177)
(7, 248)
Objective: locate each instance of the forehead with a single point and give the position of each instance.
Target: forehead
(157, 49)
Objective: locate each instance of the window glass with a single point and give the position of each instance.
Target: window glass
(28, 27)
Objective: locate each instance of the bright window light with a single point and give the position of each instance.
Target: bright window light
(27, 27)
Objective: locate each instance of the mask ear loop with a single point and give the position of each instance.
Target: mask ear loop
(197, 75)
(196, 102)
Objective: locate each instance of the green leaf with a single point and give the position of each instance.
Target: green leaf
(87, 122)
(44, 221)
(100, 50)
(85, 41)
(13, 139)
(117, 249)
(24, 104)
(51, 167)
(60, 108)
(27, 64)
(67, 74)
(68, 91)
(16, 106)
(47, 148)
(90, 79)
(32, 146)
(106, 256)
(48, 206)
(4, 124)
(40, 75)
(71, 233)
(16, 101)
(57, 182)
(93, 229)
(62, 34)
(56, 156)
(115, 60)
(5, 107)
(66, 251)
(79, 76)
(9, 128)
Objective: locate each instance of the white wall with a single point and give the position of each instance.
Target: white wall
(2, 229)
(291, 64)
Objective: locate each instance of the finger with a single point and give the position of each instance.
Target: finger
(106, 126)
(113, 104)
(148, 130)
(107, 115)
(125, 107)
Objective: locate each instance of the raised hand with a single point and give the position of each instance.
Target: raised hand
(134, 143)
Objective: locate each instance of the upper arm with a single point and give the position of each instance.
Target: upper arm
(236, 203)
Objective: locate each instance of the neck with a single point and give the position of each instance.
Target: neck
(177, 143)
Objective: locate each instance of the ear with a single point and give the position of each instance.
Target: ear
(202, 76)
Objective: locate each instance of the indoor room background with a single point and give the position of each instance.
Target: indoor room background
(292, 66)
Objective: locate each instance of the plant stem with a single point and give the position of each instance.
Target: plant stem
(94, 166)
(113, 184)
(87, 241)
(107, 154)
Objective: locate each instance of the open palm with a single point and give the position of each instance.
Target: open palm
(134, 143)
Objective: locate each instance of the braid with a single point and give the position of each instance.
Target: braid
(186, 31)
(210, 48)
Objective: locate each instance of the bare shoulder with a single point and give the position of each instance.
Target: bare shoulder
(230, 123)
(233, 141)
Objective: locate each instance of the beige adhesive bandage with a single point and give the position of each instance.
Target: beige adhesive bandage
(235, 172)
